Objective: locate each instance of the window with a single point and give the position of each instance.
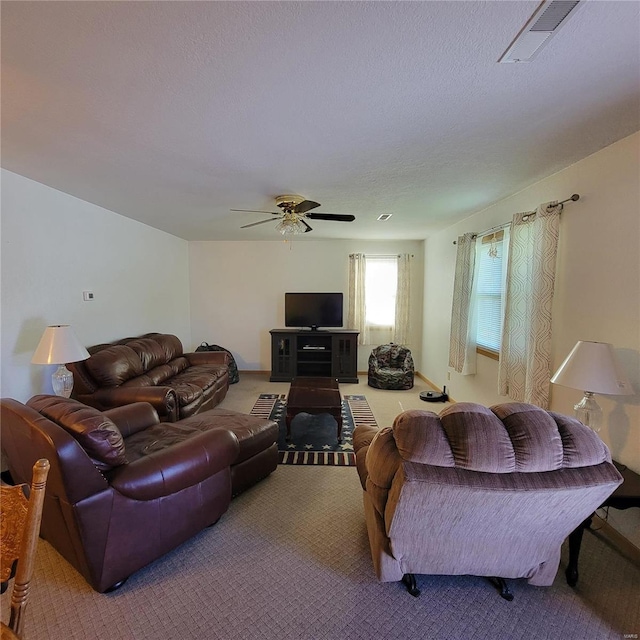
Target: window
(380, 287)
(491, 264)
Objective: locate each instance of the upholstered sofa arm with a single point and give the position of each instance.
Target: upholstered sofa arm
(208, 357)
(382, 463)
(177, 467)
(163, 399)
(363, 435)
(131, 418)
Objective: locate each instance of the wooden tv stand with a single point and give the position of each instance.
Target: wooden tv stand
(297, 353)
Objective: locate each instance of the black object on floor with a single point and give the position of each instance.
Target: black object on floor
(234, 376)
(435, 396)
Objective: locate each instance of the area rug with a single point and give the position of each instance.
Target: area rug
(314, 437)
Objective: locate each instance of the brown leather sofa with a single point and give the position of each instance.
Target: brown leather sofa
(123, 488)
(151, 368)
(478, 491)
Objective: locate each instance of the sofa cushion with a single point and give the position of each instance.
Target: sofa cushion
(170, 344)
(151, 354)
(582, 447)
(478, 438)
(95, 433)
(187, 393)
(202, 376)
(253, 434)
(159, 375)
(114, 365)
(420, 438)
(537, 445)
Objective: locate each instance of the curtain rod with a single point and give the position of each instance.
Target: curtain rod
(573, 198)
(380, 255)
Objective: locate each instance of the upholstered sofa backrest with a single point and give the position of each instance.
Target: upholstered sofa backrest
(506, 438)
(479, 446)
(98, 436)
(111, 365)
(27, 435)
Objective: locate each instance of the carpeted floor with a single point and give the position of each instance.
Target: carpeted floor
(290, 561)
(314, 437)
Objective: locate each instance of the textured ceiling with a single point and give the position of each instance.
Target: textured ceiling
(172, 113)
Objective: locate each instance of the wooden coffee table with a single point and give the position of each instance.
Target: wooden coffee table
(314, 396)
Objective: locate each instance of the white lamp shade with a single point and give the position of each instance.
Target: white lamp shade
(59, 345)
(593, 366)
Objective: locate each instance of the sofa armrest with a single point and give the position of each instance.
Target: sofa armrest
(177, 467)
(131, 418)
(363, 435)
(208, 357)
(163, 399)
(362, 438)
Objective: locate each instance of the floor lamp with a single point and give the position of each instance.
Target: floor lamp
(60, 345)
(593, 368)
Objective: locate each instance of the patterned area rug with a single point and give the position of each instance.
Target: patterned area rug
(314, 437)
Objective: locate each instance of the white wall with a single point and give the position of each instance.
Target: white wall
(597, 295)
(237, 289)
(54, 246)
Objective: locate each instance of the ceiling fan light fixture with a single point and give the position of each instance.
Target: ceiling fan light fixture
(290, 224)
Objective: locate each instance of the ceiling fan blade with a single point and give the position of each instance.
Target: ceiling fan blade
(255, 224)
(275, 213)
(306, 225)
(305, 205)
(336, 217)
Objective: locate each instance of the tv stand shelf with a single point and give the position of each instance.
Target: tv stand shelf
(313, 353)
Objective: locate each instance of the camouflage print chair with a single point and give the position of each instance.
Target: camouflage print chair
(391, 367)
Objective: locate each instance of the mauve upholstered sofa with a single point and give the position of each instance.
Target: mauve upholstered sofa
(151, 368)
(124, 488)
(478, 491)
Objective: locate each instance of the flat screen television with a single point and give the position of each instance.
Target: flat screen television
(313, 310)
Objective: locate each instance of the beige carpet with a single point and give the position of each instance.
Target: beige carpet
(290, 560)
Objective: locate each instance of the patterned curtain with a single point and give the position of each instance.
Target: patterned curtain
(400, 333)
(356, 315)
(525, 353)
(462, 341)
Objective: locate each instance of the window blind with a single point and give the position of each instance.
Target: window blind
(490, 285)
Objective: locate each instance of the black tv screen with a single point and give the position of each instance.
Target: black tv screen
(313, 310)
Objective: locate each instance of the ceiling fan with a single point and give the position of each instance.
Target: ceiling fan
(294, 213)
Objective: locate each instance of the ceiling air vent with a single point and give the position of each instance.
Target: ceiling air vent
(542, 25)
(384, 216)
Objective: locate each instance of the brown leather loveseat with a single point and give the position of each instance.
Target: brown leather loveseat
(151, 368)
(123, 488)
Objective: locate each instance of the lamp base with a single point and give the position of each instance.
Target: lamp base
(62, 381)
(588, 411)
